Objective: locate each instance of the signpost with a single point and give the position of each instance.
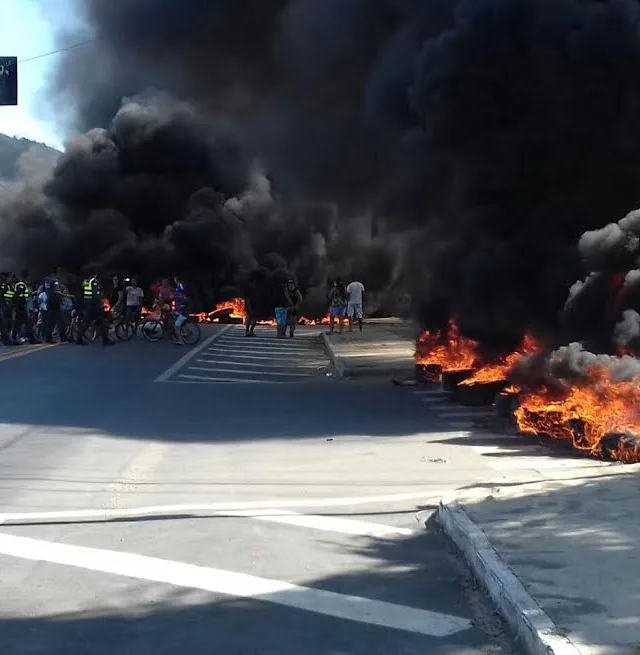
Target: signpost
(8, 81)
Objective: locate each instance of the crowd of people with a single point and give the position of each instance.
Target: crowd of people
(64, 307)
(345, 302)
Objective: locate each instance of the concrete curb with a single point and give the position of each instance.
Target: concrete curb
(531, 624)
(337, 363)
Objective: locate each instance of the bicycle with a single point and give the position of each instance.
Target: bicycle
(155, 329)
(125, 330)
(91, 331)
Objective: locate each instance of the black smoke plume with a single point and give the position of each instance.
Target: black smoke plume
(453, 149)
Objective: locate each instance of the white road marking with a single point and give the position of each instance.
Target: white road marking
(433, 399)
(453, 413)
(233, 370)
(255, 364)
(326, 523)
(280, 346)
(429, 392)
(163, 377)
(251, 351)
(232, 355)
(198, 379)
(191, 576)
(205, 509)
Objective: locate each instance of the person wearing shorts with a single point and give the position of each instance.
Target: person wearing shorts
(338, 307)
(181, 311)
(355, 291)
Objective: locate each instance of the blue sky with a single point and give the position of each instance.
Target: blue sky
(27, 29)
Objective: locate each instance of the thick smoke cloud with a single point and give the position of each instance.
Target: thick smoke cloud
(453, 149)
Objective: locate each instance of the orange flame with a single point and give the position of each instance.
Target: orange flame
(586, 414)
(238, 309)
(450, 350)
(236, 305)
(499, 371)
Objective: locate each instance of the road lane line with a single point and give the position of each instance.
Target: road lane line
(430, 392)
(282, 345)
(433, 399)
(199, 379)
(206, 509)
(257, 364)
(27, 351)
(242, 585)
(319, 522)
(269, 358)
(231, 370)
(454, 413)
(237, 352)
(163, 377)
(264, 351)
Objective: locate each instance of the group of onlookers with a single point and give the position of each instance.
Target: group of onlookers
(37, 312)
(346, 302)
(41, 311)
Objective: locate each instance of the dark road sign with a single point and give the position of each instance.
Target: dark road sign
(8, 80)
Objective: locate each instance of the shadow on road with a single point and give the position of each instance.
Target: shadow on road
(147, 618)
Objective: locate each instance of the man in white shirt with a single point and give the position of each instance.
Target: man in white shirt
(355, 291)
(134, 296)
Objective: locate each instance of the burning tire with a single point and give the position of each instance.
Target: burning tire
(451, 379)
(152, 330)
(478, 395)
(506, 404)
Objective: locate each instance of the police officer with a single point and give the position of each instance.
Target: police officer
(21, 319)
(93, 310)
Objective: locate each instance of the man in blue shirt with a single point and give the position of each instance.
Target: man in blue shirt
(181, 308)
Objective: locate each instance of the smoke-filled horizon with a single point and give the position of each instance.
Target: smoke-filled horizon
(456, 150)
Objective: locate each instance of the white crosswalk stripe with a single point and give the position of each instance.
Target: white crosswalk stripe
(231, 357)
(205, 576)
(456, 416)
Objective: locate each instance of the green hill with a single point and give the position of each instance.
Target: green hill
(10, 150)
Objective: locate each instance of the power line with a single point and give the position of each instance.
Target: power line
(55, 52)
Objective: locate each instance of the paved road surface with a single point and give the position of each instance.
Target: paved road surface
(143, 515)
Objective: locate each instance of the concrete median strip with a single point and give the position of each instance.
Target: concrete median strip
(337, 363)
(538, 633)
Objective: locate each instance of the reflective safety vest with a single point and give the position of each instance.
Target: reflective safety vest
(9, 293)
(21, 290)
(88, 287)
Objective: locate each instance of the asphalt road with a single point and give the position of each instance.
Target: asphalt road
(231, 498)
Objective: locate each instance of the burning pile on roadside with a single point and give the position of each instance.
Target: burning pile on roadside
(445, 350)
(587, 393)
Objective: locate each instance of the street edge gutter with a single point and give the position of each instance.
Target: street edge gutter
(338, 364)
(531, 624)
(163, 377)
